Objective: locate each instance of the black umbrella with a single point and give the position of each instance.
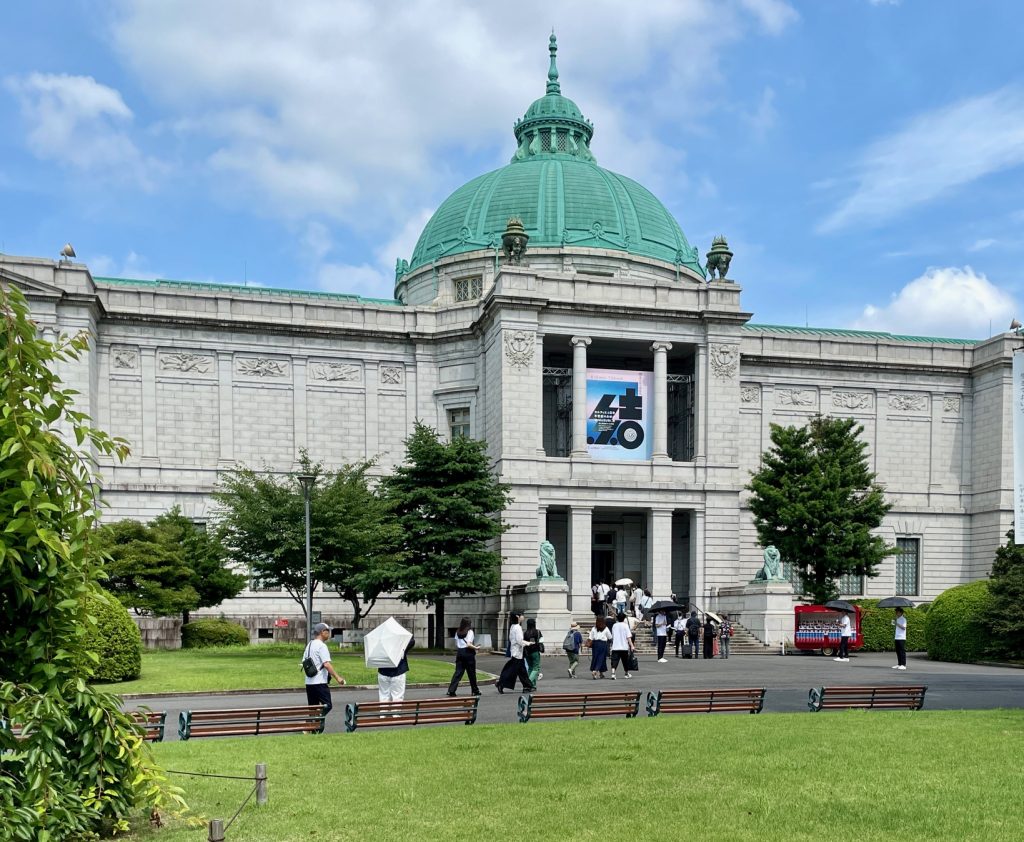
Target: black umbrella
(841, 605)
(664, 605)
(895, 602)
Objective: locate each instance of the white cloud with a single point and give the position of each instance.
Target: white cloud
(774, 15)
(81, 124)
(946, 301)
(132, 265)
(981, 245)
(930, 157)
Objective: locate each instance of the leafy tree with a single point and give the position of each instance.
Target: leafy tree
(355, 542)
(815, 499)
(80, 766)
(449, 505)
(1005, 616)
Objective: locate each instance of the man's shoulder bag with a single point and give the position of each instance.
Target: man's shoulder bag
(309, 666)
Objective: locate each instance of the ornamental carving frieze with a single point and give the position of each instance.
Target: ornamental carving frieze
(725, 360)
(519, 348)
(124, 359)
(335, 372)
(750, 394)
(908, 403)
(951, 404)
(796, 397)
(186, 362)
(851, 400)
(392, 375)
(260, 367)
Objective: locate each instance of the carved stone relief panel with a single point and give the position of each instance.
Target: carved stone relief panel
(951, 404)
(908, 403)
(261, 367)
(392, 375)
(852, 400)
(724, 360)
(519, 347)
(188, 363)
(335, 372)
(124, 359)
(796, 397)
(750, 395)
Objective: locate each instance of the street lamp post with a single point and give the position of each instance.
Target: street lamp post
(307, 481)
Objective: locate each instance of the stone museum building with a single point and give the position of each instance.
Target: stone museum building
(556, 310)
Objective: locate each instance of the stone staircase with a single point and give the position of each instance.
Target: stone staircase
(743, 642)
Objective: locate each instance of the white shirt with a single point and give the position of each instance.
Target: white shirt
(318, 651)
(620, 595)
(844, 626)
(620, 636)
(602, 591)
(515, 641)
(461, 643)
(661, 625)
(679, 624)
(901, 628)
(603, 634)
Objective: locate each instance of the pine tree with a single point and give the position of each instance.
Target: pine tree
(1006, 616)
(817, 501)
(449, 505)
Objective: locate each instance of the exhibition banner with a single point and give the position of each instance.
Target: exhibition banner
(619, 412)
(1018, 448)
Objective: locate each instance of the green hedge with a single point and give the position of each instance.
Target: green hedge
(955, 630)
(203, 633)
(114, 638)
(879, 634)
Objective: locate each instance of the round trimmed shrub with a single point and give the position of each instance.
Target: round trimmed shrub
(955, 630)
(114, 637)
(879, 634)
(213, 632)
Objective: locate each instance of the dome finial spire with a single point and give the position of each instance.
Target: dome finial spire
(553, 86)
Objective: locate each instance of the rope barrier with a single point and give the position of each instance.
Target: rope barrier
(239, 810)
(207, 775)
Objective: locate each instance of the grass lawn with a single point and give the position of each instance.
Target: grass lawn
(263, 667)
(852, 776)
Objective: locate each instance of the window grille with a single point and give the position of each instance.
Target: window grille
(908, 566)
(557, 409)
(562, 142)
(458, 422)
(850, 584)
(680, 417)
(468, 289)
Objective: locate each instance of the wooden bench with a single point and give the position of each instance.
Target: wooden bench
(910, 698)
(731, 700)
(246, 722)
(411, 712)
(153, 721)
(577, 705)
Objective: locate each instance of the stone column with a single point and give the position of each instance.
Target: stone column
(697, 558)
(659, 552)
(150, 425)
(661, 350)
(578, 567)
(579, 395)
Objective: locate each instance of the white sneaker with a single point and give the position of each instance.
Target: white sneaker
(844, 660)
(628, 675)
(570, 674)
(901, 668)
(895, 666)
(837, 659)
(662, 660)
(540, 675)
(613, 676)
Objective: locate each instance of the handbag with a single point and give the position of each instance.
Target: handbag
(309, 666)
(634, 664)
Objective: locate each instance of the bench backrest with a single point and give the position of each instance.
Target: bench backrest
(251, 721)
(153, 721)
(577, 705)
(910, 697)
(411, 712)
(725, 700)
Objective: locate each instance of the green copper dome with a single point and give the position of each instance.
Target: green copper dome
(562, 196)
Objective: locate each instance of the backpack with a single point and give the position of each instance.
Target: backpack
(569, 643)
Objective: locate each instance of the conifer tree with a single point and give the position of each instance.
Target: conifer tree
(817, 501)
(1005, 618)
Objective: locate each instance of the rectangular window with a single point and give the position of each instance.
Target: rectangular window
(257, 584)
(468, 289)
(851, 585)
(458, 422)
(792, 572)
(908, 566)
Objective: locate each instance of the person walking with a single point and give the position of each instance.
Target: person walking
(901, 640)
(598, 642)
(620, 600)
(709, 638)
(622, 644)
(725, 635)
(693, 634)
(679, 627)
(391, 680)
(844, 638)
(661, 634)
(572, 645)
(634, 602)
(515, 666)
(532, 651)
(646, 601)
(465, 658)
(596, 600)
(318, 691)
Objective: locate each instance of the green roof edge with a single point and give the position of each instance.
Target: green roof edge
(866, 334)
(260, 290)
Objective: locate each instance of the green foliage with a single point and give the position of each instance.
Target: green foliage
(878, 630)
(355, 541)
(202, 633)
(1005, 615)
(956, 628)
(449, 504)
(815, 499)
(81, 767)
(114, 638)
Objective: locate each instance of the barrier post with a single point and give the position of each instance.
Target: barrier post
(216, 832)
(261, 783)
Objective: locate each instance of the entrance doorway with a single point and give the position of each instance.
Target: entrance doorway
(602, 557)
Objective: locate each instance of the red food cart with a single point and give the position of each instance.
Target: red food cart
(816, 629)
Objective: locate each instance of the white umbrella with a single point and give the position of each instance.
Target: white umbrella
(625, 582)
(385, 645)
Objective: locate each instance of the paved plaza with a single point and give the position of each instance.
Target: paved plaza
(787, 679)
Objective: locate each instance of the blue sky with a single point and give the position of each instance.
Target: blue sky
(865, 158)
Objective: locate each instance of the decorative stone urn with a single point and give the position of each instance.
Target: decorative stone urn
(514, 240)
(719, 257)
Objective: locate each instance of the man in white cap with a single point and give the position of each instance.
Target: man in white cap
(317, 690)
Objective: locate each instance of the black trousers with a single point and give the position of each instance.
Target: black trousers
(464, 664)
(901, 653)
(680, 643)
(514, 668)
(319, 694)
(661, 646)
(844, 647)
(620, 655)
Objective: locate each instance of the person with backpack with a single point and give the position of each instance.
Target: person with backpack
(465, 658)
(571, 645)
(693, 634)
(725, 635)
(709, 638)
